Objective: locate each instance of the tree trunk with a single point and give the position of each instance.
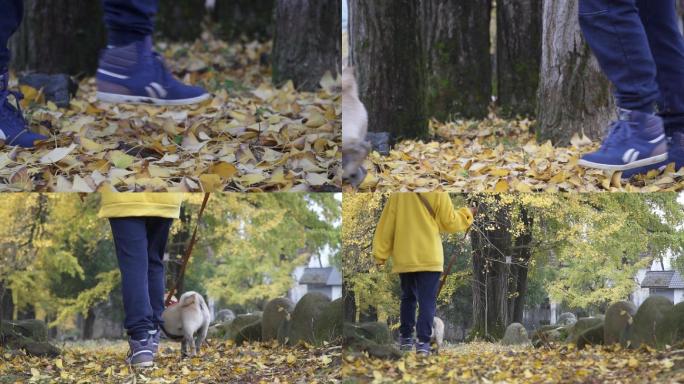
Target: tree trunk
(179, 242)
(59, 36)
(349, 302)
(180, 20)
(307, 41)
(88, 324)
(456, 37)
(518, 55)
(250, 18)
(574, 95)
(387, 51)
(523, 254)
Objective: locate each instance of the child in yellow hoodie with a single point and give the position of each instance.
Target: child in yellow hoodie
(409, 232)
(140, 227)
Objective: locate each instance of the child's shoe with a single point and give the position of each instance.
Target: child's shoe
(136, 74)
(141, 353)
(636, 140)
(423, 349)
(406, 344)
(13, 126)
(674, 155)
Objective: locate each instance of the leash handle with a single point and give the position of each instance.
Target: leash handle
(188, 252)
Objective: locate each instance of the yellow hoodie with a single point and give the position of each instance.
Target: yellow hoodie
(115, 205)
(410, 235)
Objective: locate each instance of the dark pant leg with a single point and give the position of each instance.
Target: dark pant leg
(129, 20)
(428, 283)
(407, 308)
(617, 37)
(667, 44)
(130, 240)
(157, 235)
(12, 13)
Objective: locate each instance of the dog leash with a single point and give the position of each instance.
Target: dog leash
(188, 253)
(447, 271)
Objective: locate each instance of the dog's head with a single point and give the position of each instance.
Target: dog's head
(353, 155)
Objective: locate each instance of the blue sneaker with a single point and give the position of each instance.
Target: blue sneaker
(406, 344)
(135, 74)
(423, 349)
(674, 155)
(141, 353)
(155, 337)
(636, 140)
(13, 126)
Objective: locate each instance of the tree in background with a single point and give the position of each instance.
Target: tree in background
(58, 260)
(581, 250)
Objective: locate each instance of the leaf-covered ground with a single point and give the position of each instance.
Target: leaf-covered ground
(493, 363)
(503, 156)
(219, 363)
(251, 136)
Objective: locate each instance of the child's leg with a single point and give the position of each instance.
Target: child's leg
(667, 44)
(617, 37)
(407, 308)
(428, 283)
(130, 239)
(157, 235)
(12, 13)
(129, 21)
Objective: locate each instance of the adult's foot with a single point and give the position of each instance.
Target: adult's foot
(141, 353)
(135, 74)
(675, 154)
(13, 127)
(636, 140)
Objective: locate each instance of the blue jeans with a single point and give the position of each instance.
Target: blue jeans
(640, 48)
(140, 245)
(127, 21)
(418, 288)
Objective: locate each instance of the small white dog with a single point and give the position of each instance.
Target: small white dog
(437, 338)
(355, 148)
(186, 318)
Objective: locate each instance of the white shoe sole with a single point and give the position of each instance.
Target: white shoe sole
(146, 364)
(624, 167)
(128, 99)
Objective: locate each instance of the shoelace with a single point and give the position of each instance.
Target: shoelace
(162, 69)
(619, 132)
(9, 108)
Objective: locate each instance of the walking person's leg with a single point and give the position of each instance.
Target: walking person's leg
(130, 240)
(617, 37)
(428, 284)
(13, 126)
(407, 310)
(157, 236)
(130, 71)
(666, 41)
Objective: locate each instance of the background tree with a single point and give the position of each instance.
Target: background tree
(457, 39)
(387, 51)
(518, 55)
(574, 95)
(307, 41)
(59, 36)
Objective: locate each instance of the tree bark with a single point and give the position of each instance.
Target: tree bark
(388, 54)
(518, 55)
(180, 20)
(88, 325)
(250, 18)
(456, 36)
(574, 95)
(307, 41)
(349, 302)
(59, 36)
(499, 285)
